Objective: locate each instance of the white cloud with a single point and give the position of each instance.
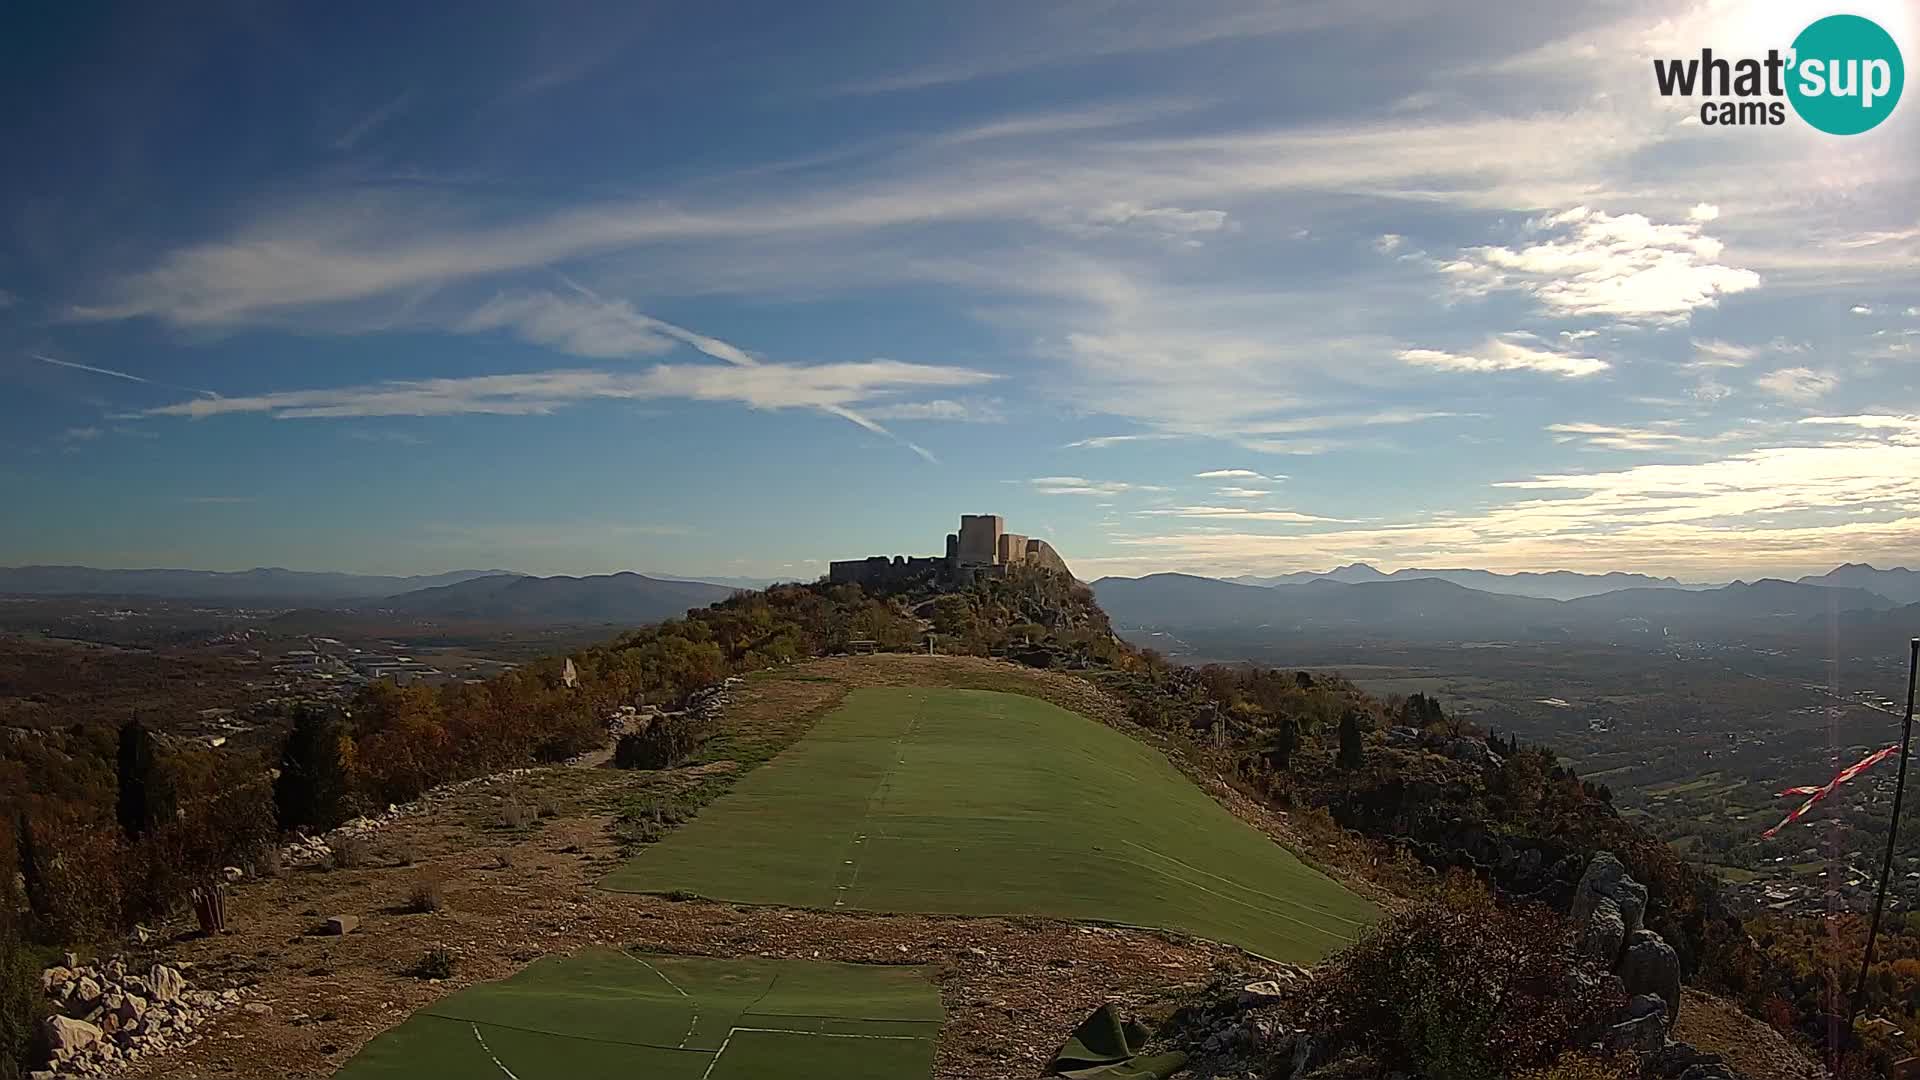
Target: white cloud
(1589, 262)
(1773, 509)
(1080, 485)
(1242, 492)
(1388, 243)
(1710, 390)
(1240, 513)
(1236, 474)
(1101, 442)
(1859, 309)
(587, 325)
(1170, 223)
(372, 242)
(835, 389)
(80, 434)
(1511, 352)
(1913, 313)
(1651, 437)
(1903, 430)
(1703, 212)
(966, 412)
(1797, 383)
(1721, 354)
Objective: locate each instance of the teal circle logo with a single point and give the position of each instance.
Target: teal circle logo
(1847, 74)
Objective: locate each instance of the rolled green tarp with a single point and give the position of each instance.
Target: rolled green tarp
(1106, 1047)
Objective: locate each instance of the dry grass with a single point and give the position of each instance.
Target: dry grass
(427, 895)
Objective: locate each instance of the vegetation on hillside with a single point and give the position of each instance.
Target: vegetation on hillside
(108, 831)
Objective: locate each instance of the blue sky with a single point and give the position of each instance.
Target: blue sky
(738, 289)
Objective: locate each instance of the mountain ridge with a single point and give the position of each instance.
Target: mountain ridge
(1428, 607)
(1543, 584)
(623, 597)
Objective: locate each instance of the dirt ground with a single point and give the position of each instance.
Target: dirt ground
(1013, 988)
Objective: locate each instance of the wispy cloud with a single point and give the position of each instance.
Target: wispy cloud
(1715, 354)
(1236, 474)
(964, 412)
(372, 121)
(1079, 485)
(109, 372)
(836, 389)
(1798, 383)
(588, 325)
(1768, 509)
(1240, 513)
(1651, 437)
(1101, 442)
(1511, 352)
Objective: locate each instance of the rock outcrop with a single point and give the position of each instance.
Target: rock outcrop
(1609, 910)
(1650, 966)
(1608, 907)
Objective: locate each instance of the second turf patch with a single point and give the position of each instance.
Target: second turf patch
(606, 1013)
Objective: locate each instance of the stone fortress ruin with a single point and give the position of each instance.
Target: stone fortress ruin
(982, 548)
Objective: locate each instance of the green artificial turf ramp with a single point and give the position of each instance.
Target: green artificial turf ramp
(979, 803)
(608, 1014)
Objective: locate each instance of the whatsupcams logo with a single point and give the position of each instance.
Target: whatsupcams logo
(1843, 75)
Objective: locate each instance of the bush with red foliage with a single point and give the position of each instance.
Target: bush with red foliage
(1464, 987)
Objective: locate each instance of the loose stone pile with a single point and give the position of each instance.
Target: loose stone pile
(106, 1015)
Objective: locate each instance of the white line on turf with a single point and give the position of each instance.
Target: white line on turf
(489, 1051)
(731, 1032)
(691, 1024)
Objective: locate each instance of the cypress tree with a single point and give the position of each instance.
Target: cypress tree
(145, 798)
(311, 791)
(1352, 754)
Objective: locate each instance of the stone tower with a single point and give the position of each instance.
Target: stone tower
(980, 539)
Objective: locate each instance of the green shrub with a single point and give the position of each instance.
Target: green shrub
(435, 963)
(20, 1006)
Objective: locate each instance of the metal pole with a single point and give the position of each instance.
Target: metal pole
(1893, 833)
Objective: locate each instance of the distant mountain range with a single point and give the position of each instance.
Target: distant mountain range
(1435, 608)
(1898, 584)
(1552, 585)
(606, 596)
(624, 598)
(262, 585)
